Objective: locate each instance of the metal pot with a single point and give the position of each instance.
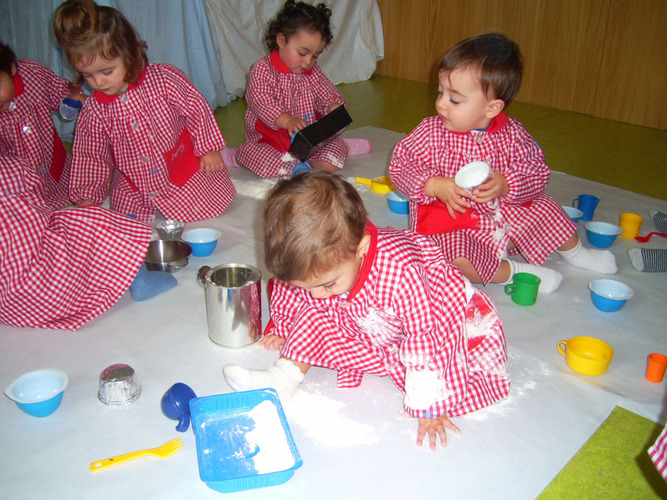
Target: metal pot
(233, 303)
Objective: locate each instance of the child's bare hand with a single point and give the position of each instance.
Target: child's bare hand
(449, 193)
(77, 97)
(495, 187)
(333, 106)
(211, 162)
(271, 340)
(434, 427)
(291, 123)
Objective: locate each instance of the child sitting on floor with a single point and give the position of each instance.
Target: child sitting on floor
(357, 299)
(288, 91)
(29, 95)
(509, 212)
(145, 122)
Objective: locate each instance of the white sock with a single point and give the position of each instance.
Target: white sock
(283, 376)
(550, 279)
(598, 261)
(228, 157)
(356, 147)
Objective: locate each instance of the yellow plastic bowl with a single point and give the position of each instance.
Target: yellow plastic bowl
(586, 355)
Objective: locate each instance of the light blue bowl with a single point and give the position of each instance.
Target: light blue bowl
(609, 295)
(574, 213)
(38, 393)
(398, 202)
(602, 234)
(202, 240)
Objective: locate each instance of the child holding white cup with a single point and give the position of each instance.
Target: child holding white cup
(509, 212)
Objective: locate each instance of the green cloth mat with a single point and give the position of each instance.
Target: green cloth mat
(613, 463)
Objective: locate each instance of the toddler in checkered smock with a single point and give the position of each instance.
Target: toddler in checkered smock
(144, 122)
(60, 269)
(362, 300)
(29, 94)
(509, 212)
(287, 91)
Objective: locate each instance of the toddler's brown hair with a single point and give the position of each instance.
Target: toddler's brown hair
(312, 223)
(497, 60)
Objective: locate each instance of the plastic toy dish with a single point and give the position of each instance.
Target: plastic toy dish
(472, 175)
(203, 240)
(574, 213)
(609, 295)
(381, 184)
(602, 234)
(38, 393)
(243, 440)
(167, 255)
(398, 202)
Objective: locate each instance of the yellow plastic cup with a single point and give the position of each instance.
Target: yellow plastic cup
(586, 355)
(630, 223)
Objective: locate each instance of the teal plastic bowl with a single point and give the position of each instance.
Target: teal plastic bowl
(609, 295)
(203, 240)
(574, 213)
(602, 234)
(398, 202)
(38, 393)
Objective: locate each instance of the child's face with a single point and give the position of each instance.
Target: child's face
(461, 104)
(104, 75)
(7, 90)
(340, 279)
(301, 50)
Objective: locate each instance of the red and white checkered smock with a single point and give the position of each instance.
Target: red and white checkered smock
(27, 131)
(137, 132)
(410, 316)
(60, 268)
(658, 453)
(534, 221)
(272, 90)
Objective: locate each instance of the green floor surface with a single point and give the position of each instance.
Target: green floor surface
(613, 463)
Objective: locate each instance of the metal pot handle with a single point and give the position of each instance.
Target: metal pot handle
(201, 275)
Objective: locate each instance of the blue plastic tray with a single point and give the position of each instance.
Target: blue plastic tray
(221, 424)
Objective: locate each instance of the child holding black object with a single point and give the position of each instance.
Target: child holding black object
(509, 212)
(358, 299)
(29, 95)
(287, 91)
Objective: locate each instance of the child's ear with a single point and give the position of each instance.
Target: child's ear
(494, 108)
(280, 40)
(364, 245)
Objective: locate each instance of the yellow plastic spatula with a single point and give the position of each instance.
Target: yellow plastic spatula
(161, 451)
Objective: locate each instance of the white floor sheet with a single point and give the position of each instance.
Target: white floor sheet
(353, 442)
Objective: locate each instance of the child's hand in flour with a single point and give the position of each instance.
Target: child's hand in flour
(434, 427)
(271, 340)
(449, 193)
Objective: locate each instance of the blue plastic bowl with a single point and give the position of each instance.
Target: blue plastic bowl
(602, 234)
(609, 295)
(574, 213)
(202, 240)
(398, 202)
(38, 393)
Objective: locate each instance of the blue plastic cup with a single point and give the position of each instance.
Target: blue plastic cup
(587, 203)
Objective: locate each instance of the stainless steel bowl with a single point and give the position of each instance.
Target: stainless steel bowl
(167, 255)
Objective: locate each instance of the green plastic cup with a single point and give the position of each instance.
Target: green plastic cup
(523, 289)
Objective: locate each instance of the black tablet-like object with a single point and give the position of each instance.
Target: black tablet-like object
(319, 132)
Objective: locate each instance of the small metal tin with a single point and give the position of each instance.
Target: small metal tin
(169, 229)
(118, 385)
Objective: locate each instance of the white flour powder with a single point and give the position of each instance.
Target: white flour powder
(268, 441)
